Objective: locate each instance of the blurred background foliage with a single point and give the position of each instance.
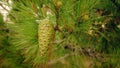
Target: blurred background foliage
(87, 33)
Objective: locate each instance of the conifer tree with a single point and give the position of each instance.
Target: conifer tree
(65, 33)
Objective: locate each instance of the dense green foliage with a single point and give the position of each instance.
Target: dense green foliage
(8, 55)
(87, 34)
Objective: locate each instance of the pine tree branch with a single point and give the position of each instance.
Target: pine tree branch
(88, 51)
(4, 7)
(59, 59)
(6, 10)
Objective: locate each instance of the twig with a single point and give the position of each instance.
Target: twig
(4, 7)
(59, 59)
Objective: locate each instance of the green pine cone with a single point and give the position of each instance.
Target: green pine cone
(45, 36)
